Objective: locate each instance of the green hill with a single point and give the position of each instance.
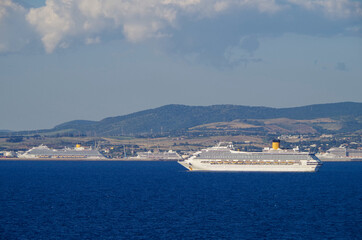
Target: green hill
(180, 117)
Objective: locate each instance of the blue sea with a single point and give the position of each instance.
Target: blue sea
(161, 200)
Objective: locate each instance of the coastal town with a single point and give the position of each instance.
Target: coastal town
(328, 147)
(173, 132)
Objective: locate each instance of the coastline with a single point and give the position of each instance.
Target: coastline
(90, 160)
(132, 160)
(343, 160)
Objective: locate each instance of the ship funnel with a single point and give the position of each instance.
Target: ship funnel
(77, 146)
(276, 144)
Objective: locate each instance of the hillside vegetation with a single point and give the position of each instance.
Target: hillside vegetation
(333, 117)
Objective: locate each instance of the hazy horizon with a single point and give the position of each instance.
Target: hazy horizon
(63, 60)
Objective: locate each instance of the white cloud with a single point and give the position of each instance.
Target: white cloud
(61, 22)
(53, 22)
(221, 6)
(14, 32)
(92, 40)
(332, 8)
(264, 6)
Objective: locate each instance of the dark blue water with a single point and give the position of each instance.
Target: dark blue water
(160, 200)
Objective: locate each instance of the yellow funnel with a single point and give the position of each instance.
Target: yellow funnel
(276, 144)
(77, 146)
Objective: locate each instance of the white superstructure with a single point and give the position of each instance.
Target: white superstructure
(43, 152)
(169, 155)
(223, 158)
(341, 154)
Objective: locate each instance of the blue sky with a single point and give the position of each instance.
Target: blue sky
(62, 60)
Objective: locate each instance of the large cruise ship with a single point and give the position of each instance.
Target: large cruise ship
(43, 152)
(223, 158)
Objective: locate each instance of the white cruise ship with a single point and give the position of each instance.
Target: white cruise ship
(169, 155)
(43, 152)
(341, 154)
(223, 158)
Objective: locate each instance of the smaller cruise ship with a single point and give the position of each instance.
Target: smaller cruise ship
(223, 157)
(341, 154)
(169, 155)
(43, 152)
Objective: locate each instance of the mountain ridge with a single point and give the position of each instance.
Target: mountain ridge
(175, 117)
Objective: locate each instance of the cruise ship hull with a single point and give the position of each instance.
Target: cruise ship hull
(197, 166)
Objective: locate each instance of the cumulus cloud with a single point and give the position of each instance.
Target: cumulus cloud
(14, 30)
(65, 20)
(332, 8)
(92, 40)
(60, 23)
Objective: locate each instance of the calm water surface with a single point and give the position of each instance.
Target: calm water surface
(161, 200)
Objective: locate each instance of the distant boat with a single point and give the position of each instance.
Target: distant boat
(43, 152)
(223, 158)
